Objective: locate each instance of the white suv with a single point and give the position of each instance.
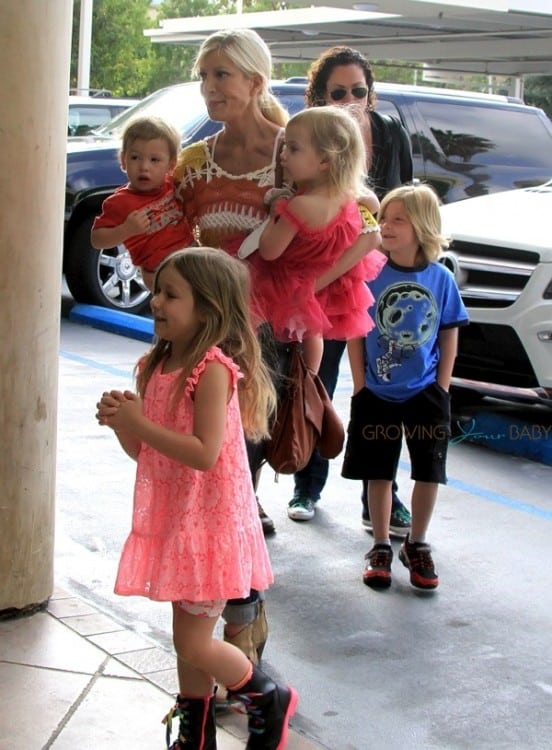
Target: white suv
(501, 255)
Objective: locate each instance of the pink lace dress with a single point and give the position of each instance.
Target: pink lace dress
(195, 535)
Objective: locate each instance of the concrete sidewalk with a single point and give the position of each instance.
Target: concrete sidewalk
(72, 677)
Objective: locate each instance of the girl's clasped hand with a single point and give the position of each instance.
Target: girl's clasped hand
(118, 410)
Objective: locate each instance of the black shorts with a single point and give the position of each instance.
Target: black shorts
(376, 429)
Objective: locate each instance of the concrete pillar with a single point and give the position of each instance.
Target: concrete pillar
(35, 43)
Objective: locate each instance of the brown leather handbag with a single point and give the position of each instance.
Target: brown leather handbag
(306, 419)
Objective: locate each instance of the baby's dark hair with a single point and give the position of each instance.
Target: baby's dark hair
(149, 128)
(320, 70)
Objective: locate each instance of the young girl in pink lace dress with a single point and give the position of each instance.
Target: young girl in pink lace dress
(196, 537)
(323, 155)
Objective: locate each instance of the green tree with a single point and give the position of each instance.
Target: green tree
(538, 92)
(121, 56)
(173, 62)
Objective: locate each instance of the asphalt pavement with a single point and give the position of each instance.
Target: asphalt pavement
(465, 667)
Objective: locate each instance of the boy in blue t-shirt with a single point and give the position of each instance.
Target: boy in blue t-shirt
(401, 377)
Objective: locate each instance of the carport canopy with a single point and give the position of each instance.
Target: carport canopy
(495, 37)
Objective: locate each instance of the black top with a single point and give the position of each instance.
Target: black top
(391, 154)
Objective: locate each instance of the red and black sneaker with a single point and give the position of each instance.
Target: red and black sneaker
(416, 556)
(377, 573)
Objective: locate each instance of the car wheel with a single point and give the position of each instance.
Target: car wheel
(103, 277)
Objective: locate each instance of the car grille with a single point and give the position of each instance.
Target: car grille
(489, 276)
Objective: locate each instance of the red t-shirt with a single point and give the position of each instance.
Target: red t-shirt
(169, 229)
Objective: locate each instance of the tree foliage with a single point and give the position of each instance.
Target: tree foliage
(538, 92)
(121, 56)
(173, 62)
(127, 63)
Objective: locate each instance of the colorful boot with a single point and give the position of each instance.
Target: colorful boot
(269, 707)
(197, 730)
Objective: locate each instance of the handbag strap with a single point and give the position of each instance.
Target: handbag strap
(278, 167)
(251, 242)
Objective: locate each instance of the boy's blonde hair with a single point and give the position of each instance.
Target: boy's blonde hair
(149, 128)
(221, 289)
(249, 52)
(421, 204)
(335, 134)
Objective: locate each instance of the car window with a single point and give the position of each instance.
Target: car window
(386, 107)
(292, 102)
(85, 117)
(495, 139)
(182, 106)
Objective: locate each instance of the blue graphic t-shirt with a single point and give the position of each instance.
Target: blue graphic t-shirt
(411, 306)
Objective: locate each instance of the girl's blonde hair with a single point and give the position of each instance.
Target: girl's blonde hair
(251, 55)
(335, 134)
(421, 204)
(220, 287)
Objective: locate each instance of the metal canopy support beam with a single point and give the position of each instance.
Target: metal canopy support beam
(477, 36)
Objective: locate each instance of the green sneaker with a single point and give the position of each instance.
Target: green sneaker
(399, 523)
(301, 508)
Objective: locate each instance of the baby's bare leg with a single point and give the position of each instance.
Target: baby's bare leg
(313, 348)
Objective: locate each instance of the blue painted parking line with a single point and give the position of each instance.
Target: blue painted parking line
(96, 365)
(113, 321)
(495, 497)
(495, 431)
(492, 497)
(471, 489)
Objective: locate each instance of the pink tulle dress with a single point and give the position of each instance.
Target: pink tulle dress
(283, 289)
(347, 299)
(195, 535)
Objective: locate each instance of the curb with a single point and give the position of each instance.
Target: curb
(506, 434)
(113, 321)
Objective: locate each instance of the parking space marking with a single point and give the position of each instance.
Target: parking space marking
(493, 497)
(94, 364)
(488, 495)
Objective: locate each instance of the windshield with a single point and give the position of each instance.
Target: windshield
(180, 105)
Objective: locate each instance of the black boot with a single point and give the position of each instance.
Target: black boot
(197, 730)
(269, 707)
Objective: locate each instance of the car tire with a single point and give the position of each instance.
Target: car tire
(103, 277)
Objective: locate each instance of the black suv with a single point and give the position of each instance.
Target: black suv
(464, 144)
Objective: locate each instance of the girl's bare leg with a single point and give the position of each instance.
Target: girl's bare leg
(202, 659)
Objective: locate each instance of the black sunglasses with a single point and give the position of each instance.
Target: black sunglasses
(359, 92)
